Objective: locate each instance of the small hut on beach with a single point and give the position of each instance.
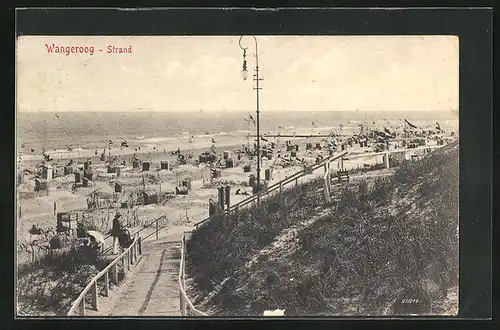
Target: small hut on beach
(149, 197)
(46, 172)
(41, 185)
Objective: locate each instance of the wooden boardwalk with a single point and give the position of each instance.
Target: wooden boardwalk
(151, 288)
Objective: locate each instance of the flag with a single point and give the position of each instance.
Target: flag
(213, 140)
(251, 118)
(313, 124)
(191, 139)
(263, 139)
(110, 142)
(438, 127)
(410, 124)
(387, 131)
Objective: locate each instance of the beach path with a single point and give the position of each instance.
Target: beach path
(151, 287)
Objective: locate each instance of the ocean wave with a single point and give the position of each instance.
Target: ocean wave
(63, 151)
(158, 140)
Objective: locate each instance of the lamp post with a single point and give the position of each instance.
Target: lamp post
(244, 73)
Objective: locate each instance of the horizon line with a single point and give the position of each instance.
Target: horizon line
(214, 111)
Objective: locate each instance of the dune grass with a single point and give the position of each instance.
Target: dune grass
(386, 237)
(220, 247)
(49, 286)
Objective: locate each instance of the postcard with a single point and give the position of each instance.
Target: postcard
(237, 175)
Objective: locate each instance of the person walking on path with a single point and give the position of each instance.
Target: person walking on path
(115, 231)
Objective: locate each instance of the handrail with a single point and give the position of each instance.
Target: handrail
(184, 299)
(185, 302)
(137, 232)
(371, 154)
(131, 252)
(155, 232)
(277, 185)
(144, 227)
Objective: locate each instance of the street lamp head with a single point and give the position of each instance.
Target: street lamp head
(244, 74)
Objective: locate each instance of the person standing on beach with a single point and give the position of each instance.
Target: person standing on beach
(115, 231)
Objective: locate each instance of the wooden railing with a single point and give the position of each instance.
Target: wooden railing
(128, 258)
(187, 307)
(158, 227)
(279, 185)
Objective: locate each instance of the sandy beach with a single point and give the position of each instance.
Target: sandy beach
(38, 208)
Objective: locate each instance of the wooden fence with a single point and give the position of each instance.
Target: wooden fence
(279, 186)
(187, 307)
(128, 258)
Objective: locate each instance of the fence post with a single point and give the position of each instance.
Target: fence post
(135, 251)
(82, 307)
(123, 263)
(131, 256)
(327, 189)
(106, 284)
(182, 302)
(128, 260)
(156, 228)
(95, 297)
(184, 270)
(140, 246)
(114, 274)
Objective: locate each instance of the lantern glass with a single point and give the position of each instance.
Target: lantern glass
(244, 74)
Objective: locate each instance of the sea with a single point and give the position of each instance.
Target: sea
(93, 130)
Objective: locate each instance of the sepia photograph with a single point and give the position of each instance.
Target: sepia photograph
(237, 176)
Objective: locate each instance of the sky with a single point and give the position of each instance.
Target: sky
(193, 73)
